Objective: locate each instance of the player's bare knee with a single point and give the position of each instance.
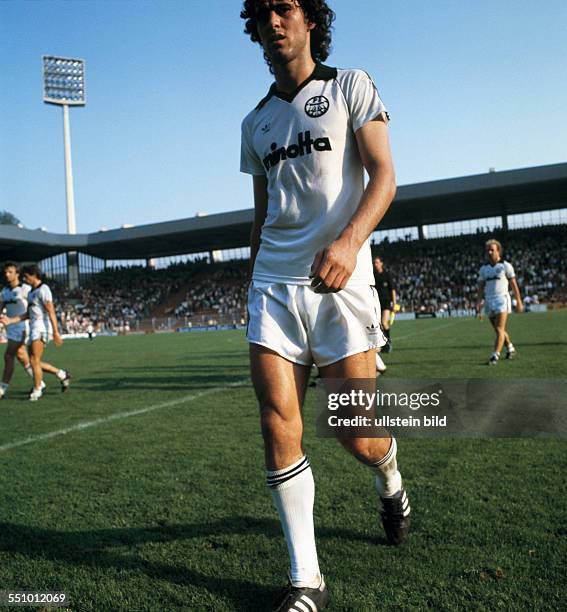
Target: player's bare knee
(278, 427)
(359, 448)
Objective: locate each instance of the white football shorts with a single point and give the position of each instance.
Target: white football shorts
(39, 334)
(497, 304)
(307, 327)
(18, 332)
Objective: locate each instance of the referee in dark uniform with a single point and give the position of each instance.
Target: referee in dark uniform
(387, 295)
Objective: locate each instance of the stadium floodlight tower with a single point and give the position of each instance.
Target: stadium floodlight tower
(64, 85)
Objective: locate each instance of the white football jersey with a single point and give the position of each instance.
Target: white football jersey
(496, 278)
(37, 298)
(15, 299)
(304, 144)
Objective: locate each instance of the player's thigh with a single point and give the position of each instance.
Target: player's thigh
(500, 321)
(22, 353)
(358, 373)
(360, 365)
(36, 350)
(279, 383)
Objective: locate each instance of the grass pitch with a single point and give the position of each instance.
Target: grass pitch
(143, 487)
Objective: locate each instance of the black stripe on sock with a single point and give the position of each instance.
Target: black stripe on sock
(279, 482)
(291, 471)
(386, 457)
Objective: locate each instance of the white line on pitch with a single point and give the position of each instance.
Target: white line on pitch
(118, 415)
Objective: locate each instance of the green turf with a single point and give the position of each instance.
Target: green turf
(168, 510)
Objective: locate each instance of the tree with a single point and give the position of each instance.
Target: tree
(7, 218)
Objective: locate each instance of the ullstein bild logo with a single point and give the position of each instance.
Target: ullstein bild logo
(305, 145)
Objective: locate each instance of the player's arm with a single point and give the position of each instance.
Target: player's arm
(333, 266)
(6, 320)
(260, 185)
(393, 295)
(53, 319)
(480, 298)
(516, 291)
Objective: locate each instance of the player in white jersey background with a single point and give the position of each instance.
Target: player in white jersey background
(43, 328)
(311, 299)
(13, 298)
(495, 280)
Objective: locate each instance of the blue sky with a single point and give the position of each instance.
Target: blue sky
(469, 85)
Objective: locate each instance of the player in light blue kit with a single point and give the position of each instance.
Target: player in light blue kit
(13, 298)
(43, 328)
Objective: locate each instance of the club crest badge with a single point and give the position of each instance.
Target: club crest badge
(317, 106)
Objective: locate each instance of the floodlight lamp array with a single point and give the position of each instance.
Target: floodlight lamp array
(63, 80)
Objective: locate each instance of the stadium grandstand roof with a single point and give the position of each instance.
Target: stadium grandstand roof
(457, 199)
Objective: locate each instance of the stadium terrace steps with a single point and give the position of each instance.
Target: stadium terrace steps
(173, 300)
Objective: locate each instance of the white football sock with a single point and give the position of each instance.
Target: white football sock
(61, 374)
(29, 371)
(293, 492)
(388, 478)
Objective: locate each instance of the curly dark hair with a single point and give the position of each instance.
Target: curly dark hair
(32, 270)
(316, 11)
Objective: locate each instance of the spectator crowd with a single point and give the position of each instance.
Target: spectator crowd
(222, 292)
(117, 299)
(441, 275)
(435, 275)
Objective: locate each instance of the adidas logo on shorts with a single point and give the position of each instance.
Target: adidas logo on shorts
(372, 329)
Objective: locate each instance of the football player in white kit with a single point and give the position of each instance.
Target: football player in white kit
(495, 279)
(311, 298)
(13, 297)
(43, 328)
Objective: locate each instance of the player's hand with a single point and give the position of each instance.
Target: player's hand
(5, 319)
(519, 307)
(57, 340)
(332, 267)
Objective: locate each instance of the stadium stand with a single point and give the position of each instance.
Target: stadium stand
(133, 299)
(442, 274)
(432, 276)
(119, 299)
